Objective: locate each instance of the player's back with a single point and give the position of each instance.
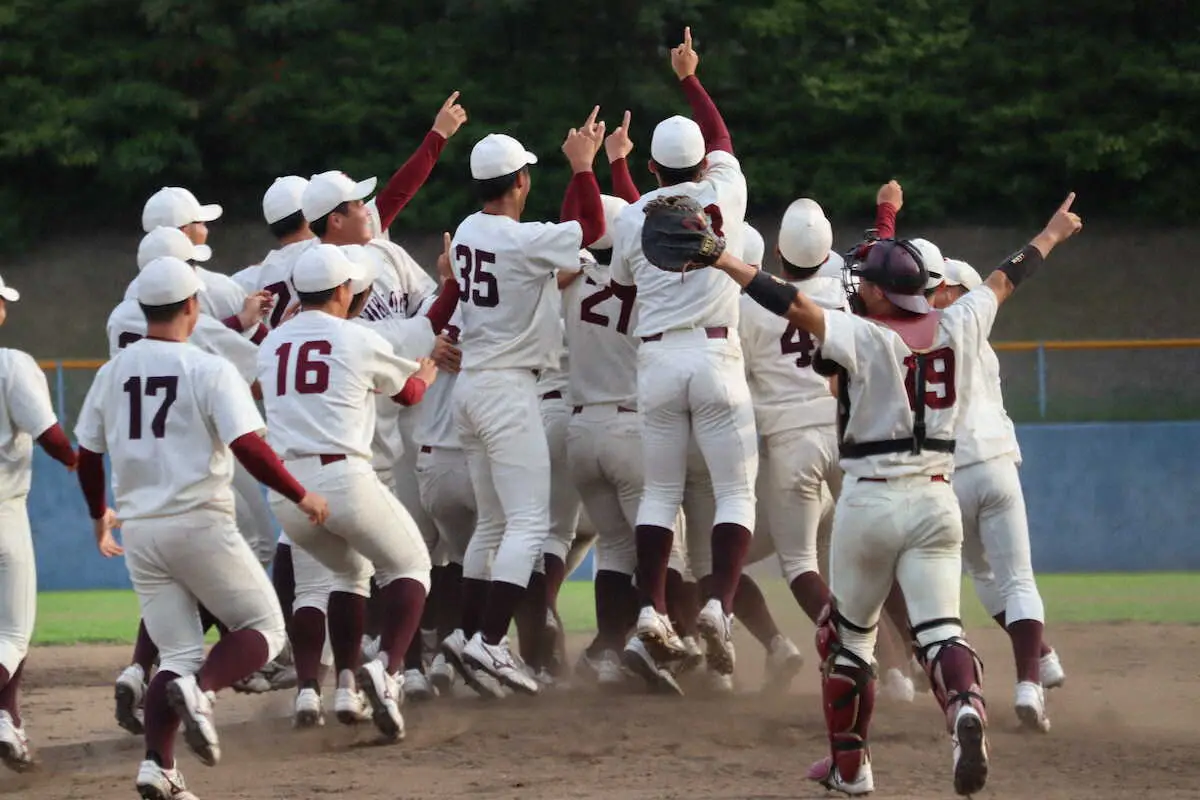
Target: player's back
(319, 375)
(787, 392)
(275, 276)
(506, 278)
(25, 412)
(127, 324)
(400, 285)
(984, 427)
(604, 356)
(161, 412)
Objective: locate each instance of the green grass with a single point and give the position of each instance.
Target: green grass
(111, 616)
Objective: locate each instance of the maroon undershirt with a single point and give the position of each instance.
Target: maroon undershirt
(413, 391)
(406, 181)
(582, 204)
(622, 181)
(56, 444)
(441, 309)
(91, 481)
(704, 111)
(885, 220)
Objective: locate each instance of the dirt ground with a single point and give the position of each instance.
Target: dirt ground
(1123, 727)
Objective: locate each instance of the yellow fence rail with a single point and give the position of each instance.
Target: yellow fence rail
(60, 366)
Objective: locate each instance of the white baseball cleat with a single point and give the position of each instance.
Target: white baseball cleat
(254, 683)
(371, 646)
(1052, 672)
(279, 675)
(719, 683)
(784, 663)
(897, 687)
(638, 659)
(156, 783)
(385, 696)
(658, 635)
(825, 773)
(970, 752)
(417, 687)
(130, 694)
(14, 745)
(350, 706)
(309, 713)
(716, 628)
(693, 657)
(452, 648)
(195, 711)
(1031, 707)
(441, 674)
(604, 669)
(499, 661)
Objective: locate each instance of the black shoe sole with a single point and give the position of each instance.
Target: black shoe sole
(516, 686)
(659, 680)
(379, 713)
(970, 774)
(208, 752)
(127, 711)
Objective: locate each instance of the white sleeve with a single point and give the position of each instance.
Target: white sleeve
(28, 396)
(229, 403)
(410, 338)
(974, 314)
(89, 425)
(213, 337)
(840, 344)
(386, 372)
(724, 172)
(552, 246)
(620, 271)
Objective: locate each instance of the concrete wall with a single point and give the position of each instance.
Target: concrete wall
(1101, 497)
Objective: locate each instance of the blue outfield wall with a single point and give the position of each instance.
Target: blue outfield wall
(1102, 497)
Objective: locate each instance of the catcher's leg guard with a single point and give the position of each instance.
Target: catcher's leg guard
(954, 669)
(847, 693)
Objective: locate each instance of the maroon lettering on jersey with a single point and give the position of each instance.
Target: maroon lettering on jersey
(473, 269)
(939, 378)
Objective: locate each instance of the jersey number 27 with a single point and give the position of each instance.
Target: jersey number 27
(587, 309)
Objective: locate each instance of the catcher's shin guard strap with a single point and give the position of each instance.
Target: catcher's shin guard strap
(955, 675)
(771, 293)
(829, 641)
(848, 695)
(1022, 264)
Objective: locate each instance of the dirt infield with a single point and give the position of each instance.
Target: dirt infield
(1123, 727)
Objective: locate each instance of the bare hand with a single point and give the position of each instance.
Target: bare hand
(618, 145)
(427, 371)
(255, 308)
(444, 268)
(684, 59)
(291, 312)
(890, 193)
(582, 144)
(450, 117)
(445, 355)
(315, 507)
(102, 529)
(1065, 223)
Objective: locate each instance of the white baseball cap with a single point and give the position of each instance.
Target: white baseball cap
(612, 207)
(960, 273)
(805, 235)
(8, 293)
(323, 267)
(376, 223)
(283, 198)
(498, 154)
(174, 207)
(753, 246)
(833, 266)
(931, 257)
(170, 242)
(677, 143)
(167, 280)
(364, 267)
(327, 191)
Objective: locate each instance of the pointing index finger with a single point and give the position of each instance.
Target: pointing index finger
(1066, 204)
(451, 99)
(625, 121)
(687, 37)
(591, 120)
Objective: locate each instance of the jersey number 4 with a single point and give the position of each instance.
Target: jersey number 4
(312, 375)
(169, 384)
(939, 379)
(587, 312)
(799, 342)
(473, 268)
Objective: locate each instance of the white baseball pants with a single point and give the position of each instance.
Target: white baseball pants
(18, 583)
(367, 532)
(499, 421)
(444, 481)
(564, 498)
(314, 582)
(200, 558)
(907, 529)
(405, 484)
(692, 385)
(800, 463)
(253, 517)
(996, 539)
(762, 546)
(604, 449)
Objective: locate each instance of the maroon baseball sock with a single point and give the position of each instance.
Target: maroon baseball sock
(530, 619)
(811, 593)
(683, 602)
(412, 656)
(653, 555)
(145, 652)
(375, 612)
(957, 667)
(1044, 650)
(501, 603)
(347, 617)
(404, 601)
(474, 600)
(730, 543)
(556, 573)
(161, 721)
(611, 591)
(1026, 635)
(751, 609)
(10, 692)
(283, 578)
(449, 606)
(238, 654)
(308, 640)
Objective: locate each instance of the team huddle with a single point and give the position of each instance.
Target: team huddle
(439, 465)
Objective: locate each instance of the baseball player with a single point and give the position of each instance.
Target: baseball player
(169, 416)
(281, 211)
(510, 331)
(995, 530)
(897, 517)
(691, 380)
(26, 416)
(319, 373)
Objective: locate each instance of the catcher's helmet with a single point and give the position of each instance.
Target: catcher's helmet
(895, 266)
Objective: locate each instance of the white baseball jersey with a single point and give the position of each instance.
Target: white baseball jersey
(984, 428)
(247, 278)
(222, 297)
(787, 393)
(127, 324)
(400, 286)
(511, 318)
(435, 425)
(410, 338)
(25, 414)
(275, 276)
(319, 375)
(604, 368)
(165, 412)
(702, 298)
(882, 372)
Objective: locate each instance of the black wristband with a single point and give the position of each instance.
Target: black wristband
(771, 293)
(1022, 264)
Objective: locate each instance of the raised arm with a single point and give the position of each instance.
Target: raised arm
(582, 201)
(618, 147)
(407, 181)
(888, 202)
(775, 295)
(684, 60)
(1005, 279)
